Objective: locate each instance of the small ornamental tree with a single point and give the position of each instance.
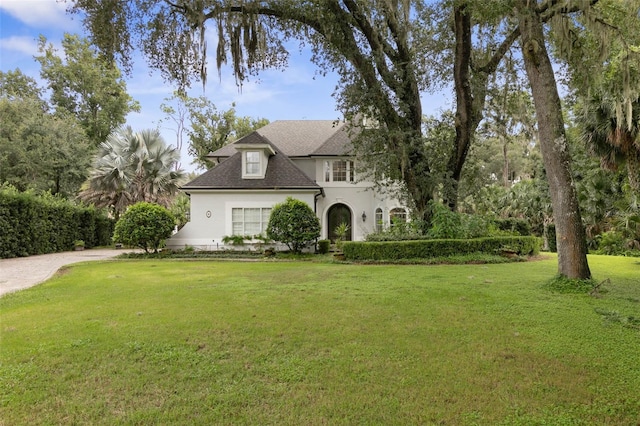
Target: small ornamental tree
(144, 225)
(293, 223)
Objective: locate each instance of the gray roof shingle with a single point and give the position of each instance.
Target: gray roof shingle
(301, 138)
(281, 173)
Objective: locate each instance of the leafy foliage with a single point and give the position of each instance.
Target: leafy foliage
(400, 231)
(14, 85)
(39, 150)
(447, 224)
(560, 284)
(180, 208)
(209, 128)
(293, 223)
(513, 225)
(86, 86)
(144, 225)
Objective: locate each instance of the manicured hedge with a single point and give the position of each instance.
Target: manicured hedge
(34, 224)
(396, 250)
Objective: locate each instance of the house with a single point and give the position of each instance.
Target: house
(306, 160)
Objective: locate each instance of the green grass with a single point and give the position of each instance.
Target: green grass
(211, 342)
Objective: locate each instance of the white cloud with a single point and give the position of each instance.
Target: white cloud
(20, 44)
(40, 13)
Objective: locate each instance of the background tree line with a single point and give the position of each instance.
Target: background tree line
(68, 139)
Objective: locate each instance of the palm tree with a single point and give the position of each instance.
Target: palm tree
(132, 167)
(610, 136)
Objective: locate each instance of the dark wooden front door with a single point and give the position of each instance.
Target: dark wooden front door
(339, 213)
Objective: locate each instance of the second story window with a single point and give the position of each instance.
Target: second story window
(339, 171)
(252, 163)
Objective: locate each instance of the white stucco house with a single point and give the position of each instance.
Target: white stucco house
(309, 160)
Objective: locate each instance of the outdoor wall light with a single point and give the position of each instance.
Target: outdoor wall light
(364, 217)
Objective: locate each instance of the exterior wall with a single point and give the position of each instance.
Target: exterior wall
(210, 216)
(307, 165)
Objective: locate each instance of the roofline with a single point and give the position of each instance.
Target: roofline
(244, 188)
(291, 157)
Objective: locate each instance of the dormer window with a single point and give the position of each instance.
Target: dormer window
(252, 163)
(255, 157)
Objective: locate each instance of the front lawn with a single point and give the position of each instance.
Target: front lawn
(226, 342)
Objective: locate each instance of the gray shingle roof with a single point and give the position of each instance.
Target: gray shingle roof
(301, 138)
(281, 174)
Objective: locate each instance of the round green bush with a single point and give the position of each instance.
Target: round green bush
(323, 246)
(144, 225)
(293, 223)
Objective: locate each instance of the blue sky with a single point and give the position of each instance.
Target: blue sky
(296, 93)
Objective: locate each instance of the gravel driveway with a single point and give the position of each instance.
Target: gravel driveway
(23, 272)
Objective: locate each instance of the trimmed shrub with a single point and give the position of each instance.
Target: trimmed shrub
(293, 223)
(144, 225)
(420, 249)
(39, 224)
(323, 246)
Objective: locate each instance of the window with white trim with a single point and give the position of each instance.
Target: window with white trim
(249, 220)
(379, 222)
(252, 163)
(339, 171)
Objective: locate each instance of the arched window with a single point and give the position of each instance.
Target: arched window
(398, 215)
(379, 222)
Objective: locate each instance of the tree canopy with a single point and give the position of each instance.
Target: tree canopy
(209, 128)
(39, 150)
(84, 84)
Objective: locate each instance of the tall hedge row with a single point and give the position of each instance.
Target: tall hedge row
(419, 249)
(31, 224)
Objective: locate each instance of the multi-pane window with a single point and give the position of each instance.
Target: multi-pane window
(379, 223)
(339, 171)
(398, 215)
(249, 221)
(252, 163)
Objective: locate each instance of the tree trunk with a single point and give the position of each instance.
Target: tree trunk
(505, 162)
(464, 103)
(633, 172)
(570, 233)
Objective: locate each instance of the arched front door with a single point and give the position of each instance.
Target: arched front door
(338, 214)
